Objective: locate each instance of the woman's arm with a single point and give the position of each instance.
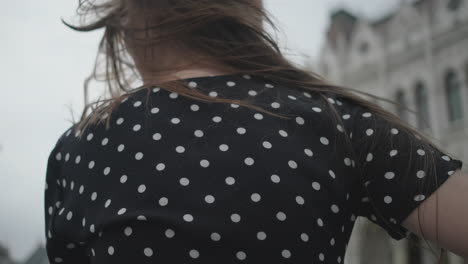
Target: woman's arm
(450, 227)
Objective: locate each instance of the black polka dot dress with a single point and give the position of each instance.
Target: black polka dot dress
(178, 180)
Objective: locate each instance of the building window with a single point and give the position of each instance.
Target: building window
(401, 100)
(453, 95)
(364, 47)
(414, 249)
(466, 75)
(422, 105)
(325, 69)
(454, 5)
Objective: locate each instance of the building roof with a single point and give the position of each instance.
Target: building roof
(343, 21)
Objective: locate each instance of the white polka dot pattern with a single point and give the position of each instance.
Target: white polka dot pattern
(176, 180)
(392, 170)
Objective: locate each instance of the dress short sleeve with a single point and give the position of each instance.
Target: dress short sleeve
(393, 176)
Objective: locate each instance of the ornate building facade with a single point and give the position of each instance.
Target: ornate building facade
(418, 57)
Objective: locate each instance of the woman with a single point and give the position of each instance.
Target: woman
(213, 148)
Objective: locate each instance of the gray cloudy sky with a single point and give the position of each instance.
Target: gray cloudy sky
(43, 65)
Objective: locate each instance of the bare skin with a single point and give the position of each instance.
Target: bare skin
(188, 73)
(451, 228)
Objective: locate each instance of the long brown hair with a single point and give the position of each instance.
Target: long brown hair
(231, 32)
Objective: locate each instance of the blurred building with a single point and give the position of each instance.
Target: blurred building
(417, 56)
(37, 256)
(5, 255)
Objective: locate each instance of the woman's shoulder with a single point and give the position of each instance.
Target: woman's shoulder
(157, 107)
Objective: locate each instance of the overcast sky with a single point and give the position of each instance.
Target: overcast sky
(43, 64)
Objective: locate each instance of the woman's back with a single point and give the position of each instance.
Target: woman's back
(184, 181)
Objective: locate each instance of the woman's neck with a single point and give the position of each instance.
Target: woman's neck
(191, 73)
(185, 71)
